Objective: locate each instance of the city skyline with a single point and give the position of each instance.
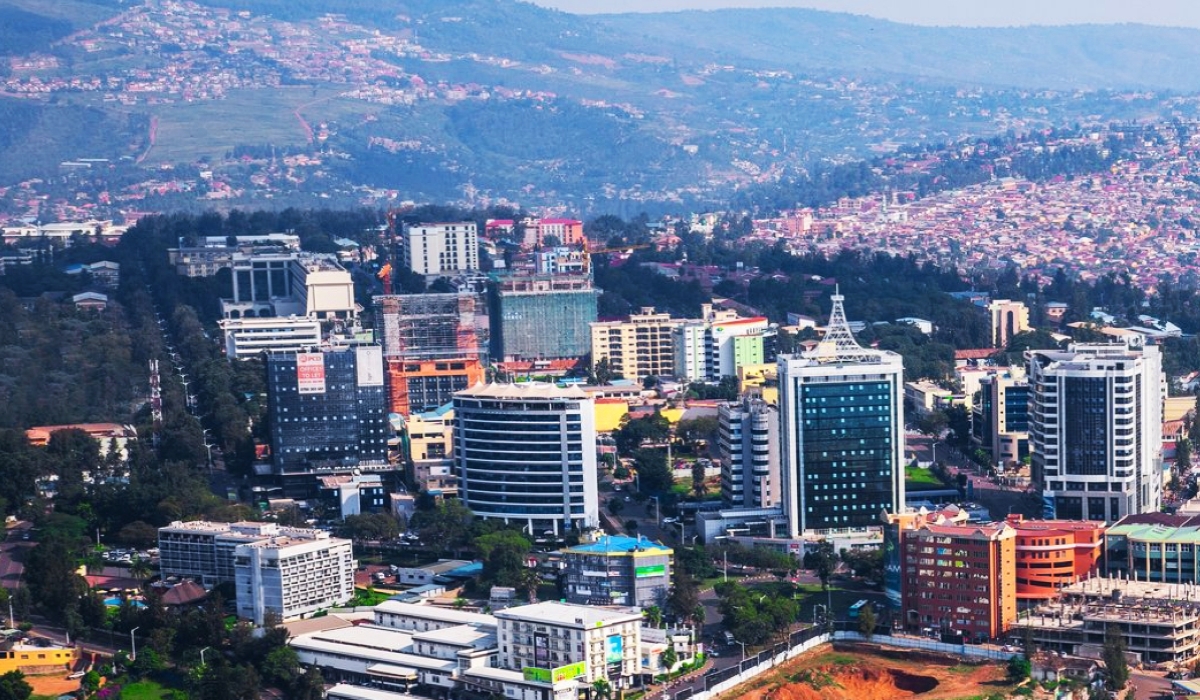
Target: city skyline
(943, 13)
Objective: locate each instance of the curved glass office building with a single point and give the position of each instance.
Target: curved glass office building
(526, 453)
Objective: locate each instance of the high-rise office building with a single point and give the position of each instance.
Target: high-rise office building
(526, 454)
(542, 316)
(842, 432)
(433, 346)
(1000, 421)
(435, 249)
(328, 412)
(1095, 430)
(748, 439)
(638, 348)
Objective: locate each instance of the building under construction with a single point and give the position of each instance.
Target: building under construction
(1159, 621)
(433, 345)
(542, 316)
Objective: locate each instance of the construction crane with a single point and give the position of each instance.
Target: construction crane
(385, 274)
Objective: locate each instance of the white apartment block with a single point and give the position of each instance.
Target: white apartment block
(1095, 430)
(706, 349)
(293, 574)
(435, 249)
(250, 337)
(290, 571)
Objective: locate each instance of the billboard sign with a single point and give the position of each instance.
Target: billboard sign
(652, 570)
(614, 650)
(369, 364)
(310, 372)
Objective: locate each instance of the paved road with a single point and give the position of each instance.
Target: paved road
(12, 554)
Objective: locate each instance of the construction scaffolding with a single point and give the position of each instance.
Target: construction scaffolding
(432, 326)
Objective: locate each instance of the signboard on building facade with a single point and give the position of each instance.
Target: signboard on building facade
(310, 373)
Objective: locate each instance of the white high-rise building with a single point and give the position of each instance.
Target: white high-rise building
(1095, 430)
(292, 574)
(526, 454)
(714, 345)
(842, 433)
(748, 438)
(435, 249)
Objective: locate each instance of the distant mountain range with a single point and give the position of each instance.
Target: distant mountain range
(220, 103)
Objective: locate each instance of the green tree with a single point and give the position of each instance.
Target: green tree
(654, 476)
(310, 686)
(1113, 655)
(503, 553)
(602, 689)
(13, 686)
(1019, 669)
(376, 527)
(866, 621)
(822, 561)
(653, 615)
(1183, 455)
(281, 667)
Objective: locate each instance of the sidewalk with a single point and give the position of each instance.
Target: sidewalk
(685, 679)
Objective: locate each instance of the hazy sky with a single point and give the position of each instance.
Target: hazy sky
(1183, 13)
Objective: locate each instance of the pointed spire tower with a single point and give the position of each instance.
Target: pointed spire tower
(839, 344)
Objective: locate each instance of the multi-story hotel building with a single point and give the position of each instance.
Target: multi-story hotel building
(288, 571)
(526, 454)
(960, 578)
(292, 573)
(748, 440)
(717, 343)
(1095, 430)
(842, 433)
(440, 248)
(638, 348)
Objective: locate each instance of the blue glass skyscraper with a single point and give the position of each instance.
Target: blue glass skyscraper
(842, 433)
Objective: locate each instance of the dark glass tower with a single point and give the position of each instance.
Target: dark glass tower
(842, 433)
(328, 411)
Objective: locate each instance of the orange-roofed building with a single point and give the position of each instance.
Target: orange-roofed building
(1054, 553)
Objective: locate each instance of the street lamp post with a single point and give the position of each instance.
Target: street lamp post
(657, 512)
(202, 654)
(743, 649)
(133, 643)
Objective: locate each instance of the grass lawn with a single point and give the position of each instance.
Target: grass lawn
(144, 690)
(364, 597)
(921, 479)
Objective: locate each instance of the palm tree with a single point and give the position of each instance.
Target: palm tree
(140, 569)
(528, 580)
(653, 615)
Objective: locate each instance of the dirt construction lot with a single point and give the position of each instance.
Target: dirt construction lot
(869, 672)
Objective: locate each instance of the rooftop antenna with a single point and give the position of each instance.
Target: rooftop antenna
(839, 344)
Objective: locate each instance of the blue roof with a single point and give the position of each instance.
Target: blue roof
(620, 543)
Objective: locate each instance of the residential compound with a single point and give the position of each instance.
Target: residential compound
(541, 316)
(290, 572)
(433, 346)
(441, 248)
(526, 454)
(328, 414)
(638, 348)
(545, 651)
(748, 440)
(841, 433)
(613, 570)
(1095, 430)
